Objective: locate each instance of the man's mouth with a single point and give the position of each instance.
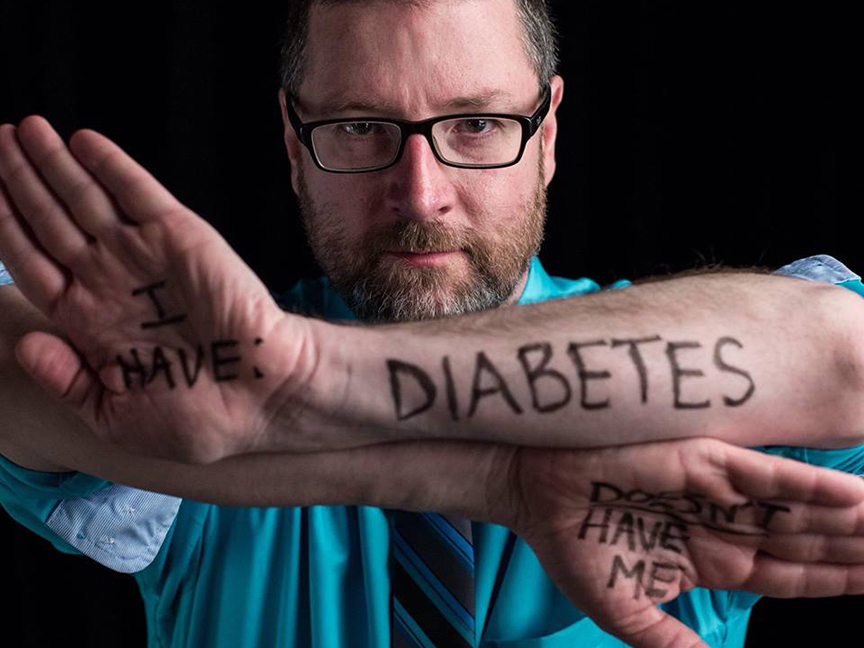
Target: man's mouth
(425, 258)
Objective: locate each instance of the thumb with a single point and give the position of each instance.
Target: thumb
(56, 366)
(656, 629)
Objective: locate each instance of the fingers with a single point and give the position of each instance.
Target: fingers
(84, 198)
(56, 202)
(55, 366)
(815, 548)
(785, 579)
(653, 628)
(36, 274)
(138, 193)
(37, 204)
(766, 477)
(813, 518)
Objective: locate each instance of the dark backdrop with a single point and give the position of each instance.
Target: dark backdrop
(690, 133)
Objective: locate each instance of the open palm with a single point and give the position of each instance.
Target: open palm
(172, 325)
(620, 530)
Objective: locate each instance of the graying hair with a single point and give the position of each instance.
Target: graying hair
(540, 38)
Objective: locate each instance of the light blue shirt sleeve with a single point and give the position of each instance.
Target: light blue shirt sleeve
(819, 267)
(825, 269)
(118, 526)
(5, 277)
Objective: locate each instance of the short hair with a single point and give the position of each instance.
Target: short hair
(540, 38)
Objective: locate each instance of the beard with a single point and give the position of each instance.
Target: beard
(381, 289)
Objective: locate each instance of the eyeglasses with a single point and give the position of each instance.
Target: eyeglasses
(467, 141)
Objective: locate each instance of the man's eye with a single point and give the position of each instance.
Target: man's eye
(359, 128)
(476, 126)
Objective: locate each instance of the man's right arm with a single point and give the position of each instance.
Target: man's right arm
(40, 433)
(177, 348)
(803, 524)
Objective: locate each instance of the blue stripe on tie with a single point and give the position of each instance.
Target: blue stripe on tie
(461, 547)
(409, 627)
(425, 579)
(423, 609)
(439, 556)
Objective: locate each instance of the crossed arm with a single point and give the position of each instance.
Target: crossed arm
(215, 398)
(110, 256)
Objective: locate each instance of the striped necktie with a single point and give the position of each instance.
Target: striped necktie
(432, 581)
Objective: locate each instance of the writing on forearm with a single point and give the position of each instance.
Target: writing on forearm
(416, 389)
(648, 530)
(176, 366)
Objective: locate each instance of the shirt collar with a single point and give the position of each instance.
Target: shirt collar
(538, 287)
(539, 284)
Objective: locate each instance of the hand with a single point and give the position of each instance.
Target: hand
(175, 348)
(622, 529)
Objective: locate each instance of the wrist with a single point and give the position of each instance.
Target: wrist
(287, 366)
(326, 400)
(475, 481)
(503, 486)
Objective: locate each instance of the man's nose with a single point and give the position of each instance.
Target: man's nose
(420, 186)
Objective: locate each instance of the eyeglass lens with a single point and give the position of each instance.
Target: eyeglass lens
(361, 145)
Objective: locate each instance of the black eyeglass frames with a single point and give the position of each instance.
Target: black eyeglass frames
(470, 141)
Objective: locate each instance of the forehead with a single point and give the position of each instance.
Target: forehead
(416, 58)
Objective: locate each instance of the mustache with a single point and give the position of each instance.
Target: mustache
(419, 237)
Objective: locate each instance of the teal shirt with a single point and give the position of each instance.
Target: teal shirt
(317, 576)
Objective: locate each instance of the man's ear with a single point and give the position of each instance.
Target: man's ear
(292, 144)
(549, 129)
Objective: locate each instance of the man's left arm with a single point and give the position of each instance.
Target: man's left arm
(186, 353)
(751, 359)
(87, 249)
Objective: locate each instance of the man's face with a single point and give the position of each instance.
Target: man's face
(421, 239)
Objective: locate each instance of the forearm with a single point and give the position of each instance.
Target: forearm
(461, 478)
(472, 480)
(40, 433)
(467, 479)
(747, 358)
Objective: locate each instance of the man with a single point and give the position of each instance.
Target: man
(232, 382)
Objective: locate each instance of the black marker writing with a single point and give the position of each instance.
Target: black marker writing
(484, 367)
(534, 372)
(191, 375)
(678, 373)
(574, 349)
(160, 366)
(587, 524)
(636, 573)
(724, 366)
(632, 528)
(532, 375)
(687, 508)
(255, 370)
(642, 522)
(638, 360)
(131, 368)
(452, 402)
(163, 319)
(401, 370)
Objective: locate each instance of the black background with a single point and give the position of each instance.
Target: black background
(691, 133)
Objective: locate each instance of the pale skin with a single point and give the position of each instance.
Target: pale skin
(418, 62)
(95, 251)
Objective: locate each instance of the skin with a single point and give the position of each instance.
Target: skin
(430, 60)
(93, 250)
(325, 386)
